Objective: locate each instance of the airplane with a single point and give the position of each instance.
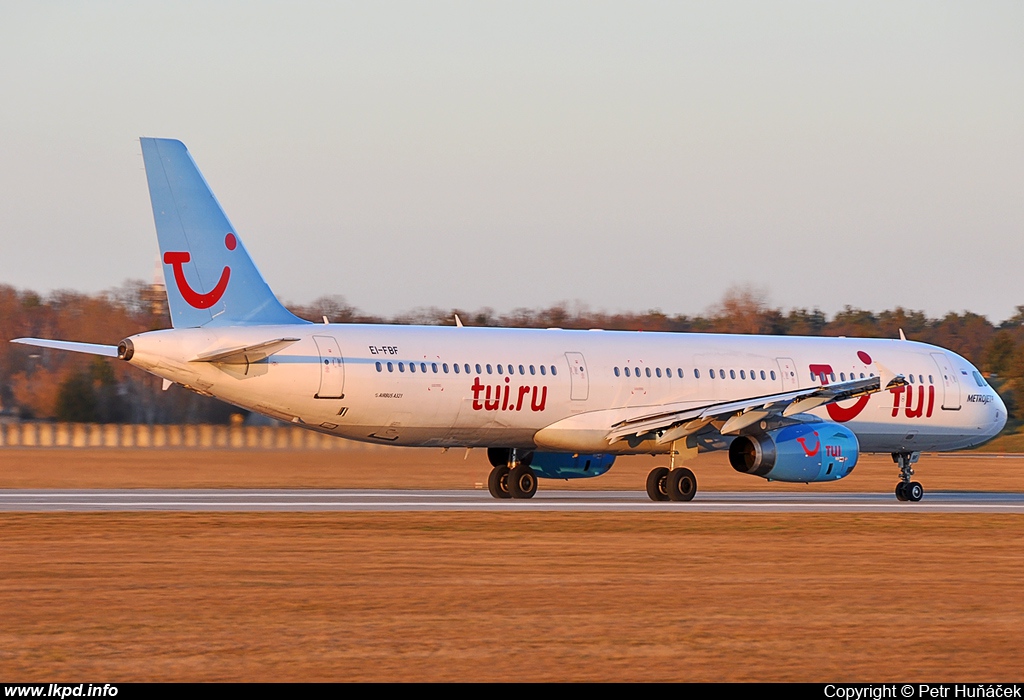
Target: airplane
(544, 403)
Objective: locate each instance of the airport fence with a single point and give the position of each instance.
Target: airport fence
(224, 437)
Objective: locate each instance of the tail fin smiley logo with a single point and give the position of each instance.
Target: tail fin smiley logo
(198, 300)
(817, 445)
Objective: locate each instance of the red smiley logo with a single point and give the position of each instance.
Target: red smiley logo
(817, 445)
(835, 411)
(196, 299)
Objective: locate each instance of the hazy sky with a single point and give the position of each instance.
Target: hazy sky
(631, 155)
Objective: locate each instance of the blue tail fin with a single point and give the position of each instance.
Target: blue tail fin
(210, 278)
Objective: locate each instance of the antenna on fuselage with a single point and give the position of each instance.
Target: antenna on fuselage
(902, 336)
(458, 321)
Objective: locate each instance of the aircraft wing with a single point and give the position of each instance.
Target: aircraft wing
(672, 425)
(88, 348)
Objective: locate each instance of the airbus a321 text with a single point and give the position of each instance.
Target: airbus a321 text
(554, 404)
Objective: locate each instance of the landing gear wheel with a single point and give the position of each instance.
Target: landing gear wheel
(681, 485)
(497, 482)
(907, 490)
(656, 487)
(913, 491)
(522, 482)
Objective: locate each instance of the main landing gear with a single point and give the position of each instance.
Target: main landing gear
(513, 479)
(907, 490)
(664, 484)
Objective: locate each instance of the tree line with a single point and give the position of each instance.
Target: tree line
(36, 383)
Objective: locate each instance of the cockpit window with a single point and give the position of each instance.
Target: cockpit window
(979, 379)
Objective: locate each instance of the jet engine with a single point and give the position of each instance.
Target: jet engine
(803, 452)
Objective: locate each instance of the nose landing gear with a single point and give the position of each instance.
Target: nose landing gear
(907, 490)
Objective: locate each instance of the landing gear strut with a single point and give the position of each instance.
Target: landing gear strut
(907, 490)
(511, 479)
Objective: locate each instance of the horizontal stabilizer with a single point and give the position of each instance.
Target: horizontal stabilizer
(87, 348)
(247, 353)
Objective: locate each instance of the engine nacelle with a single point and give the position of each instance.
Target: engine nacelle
(802, 452)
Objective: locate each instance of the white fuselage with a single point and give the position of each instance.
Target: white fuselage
(563, 390)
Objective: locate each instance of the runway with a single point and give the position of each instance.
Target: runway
(363, 500)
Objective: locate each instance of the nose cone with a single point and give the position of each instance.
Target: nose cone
(997, 413)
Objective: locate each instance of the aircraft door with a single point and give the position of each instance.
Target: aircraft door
(579, 378)
(332, 368)
(950, 382)
(787, 373)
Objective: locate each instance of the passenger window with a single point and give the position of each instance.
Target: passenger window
(680, 371)
(532, 370)
(911, 378)
(842, 376)
(444, 367)
(423, 367)
(511, 369)
(627, 372)
(489, 369)
(696, 373)
(433, 366)
(648, 371)
(477, 369)
(378, 367)
(772, 374)
(522, 370)
(833, 376)
(920, 379)
(412, 367)
(743, 374)
(391, 367)
(721, 373)
(711, 372)
(732, 374)
(658, 372)
(401, 366)
(499, 369)
(616, 371)
(543, 371)
(762, 375)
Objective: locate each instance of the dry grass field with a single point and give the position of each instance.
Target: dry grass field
(500, 596)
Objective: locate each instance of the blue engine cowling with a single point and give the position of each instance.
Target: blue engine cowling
(556, 465)
(803, 452)
(562, 465)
